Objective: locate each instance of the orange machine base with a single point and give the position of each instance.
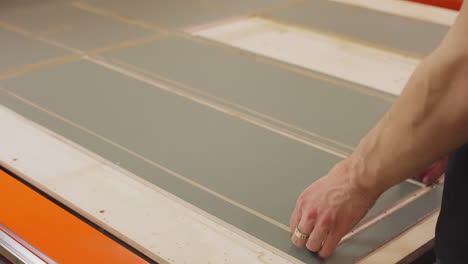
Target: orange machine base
(54, 231)
(451, 4)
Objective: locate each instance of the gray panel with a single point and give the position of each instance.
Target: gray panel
(17, 5)
(328, 109)
(74, 27)
(347, 253)
(17, 51)
(183, 13)
(205, 201)
(396, 32)
(254, 166)
(226, 154)
(388, 228)
(221, 152)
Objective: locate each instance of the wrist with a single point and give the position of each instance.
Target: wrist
(362, 177)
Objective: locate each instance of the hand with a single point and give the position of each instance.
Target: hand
(328, 209)
(433, 173)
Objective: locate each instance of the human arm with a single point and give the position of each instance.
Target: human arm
(428, 120)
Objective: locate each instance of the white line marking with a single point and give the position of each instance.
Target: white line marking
(390, 210)
(368, 66)
(155, 164)
(136, 211)
(217, 107)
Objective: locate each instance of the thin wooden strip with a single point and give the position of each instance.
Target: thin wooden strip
(371, 67)
(79, 54)
(39, 66)
(143, 215)
(88, 55)
(157, 165)
(218, 107)
(243, 108)
(405, 244)
(389, 211)
(108, 13)
(342, 37)
(126, 44)
(90, 8)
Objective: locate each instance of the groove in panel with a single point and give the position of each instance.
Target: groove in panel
(249, 164)
(181, 13)
(386, 229)
(74, 27)
(378, 28)
(325, 108)
(17, 51)
(223, 153)
(372, 67)
(15, 6)
(80, 108)
(214, 205)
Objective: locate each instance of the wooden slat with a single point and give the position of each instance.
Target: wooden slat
(404, 246)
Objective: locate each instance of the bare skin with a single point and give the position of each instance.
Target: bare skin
(432, 174)
(426, 123)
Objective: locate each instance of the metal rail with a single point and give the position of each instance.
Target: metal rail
(16, 250)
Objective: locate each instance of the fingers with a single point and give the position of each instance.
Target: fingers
(306, 225)
(436, 171)
(318, 237)
(421, 175)
(433, 173)
(431, 177)
(295, 217)
(332, 241)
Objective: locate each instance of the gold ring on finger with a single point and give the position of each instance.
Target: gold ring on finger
(299, 234)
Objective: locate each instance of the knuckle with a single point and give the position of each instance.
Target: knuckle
(301, 201)
(311, 214)
(326, 222)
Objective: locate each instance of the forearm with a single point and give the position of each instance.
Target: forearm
(428, 120)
